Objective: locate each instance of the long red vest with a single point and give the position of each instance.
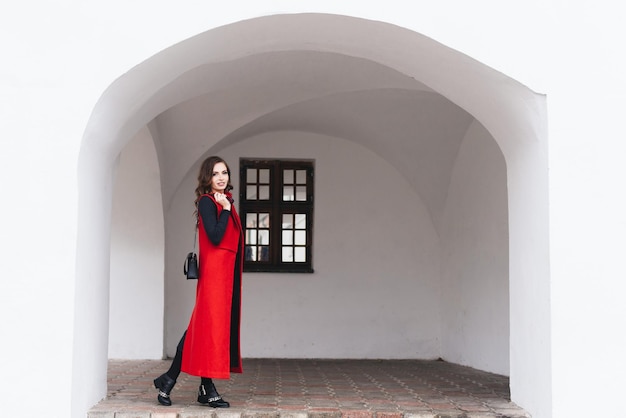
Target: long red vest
(211, 347)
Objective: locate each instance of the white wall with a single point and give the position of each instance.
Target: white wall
(137, 248)
(474, 261)
(587, 207)
(375, 290)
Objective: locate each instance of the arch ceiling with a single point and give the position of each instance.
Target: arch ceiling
(399, 93)
(414, 128)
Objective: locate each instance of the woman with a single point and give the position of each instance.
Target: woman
(210, 346)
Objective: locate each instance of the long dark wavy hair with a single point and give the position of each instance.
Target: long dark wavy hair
(205, 176)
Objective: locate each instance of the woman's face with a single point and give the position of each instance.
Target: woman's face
(219, 181)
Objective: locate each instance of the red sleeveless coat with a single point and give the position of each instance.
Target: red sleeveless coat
(211, 347)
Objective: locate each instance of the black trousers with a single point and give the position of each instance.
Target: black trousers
(174, 370)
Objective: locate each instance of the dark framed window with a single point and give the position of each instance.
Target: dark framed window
(276, 209)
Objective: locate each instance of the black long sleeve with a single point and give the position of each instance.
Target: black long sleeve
(214, 227)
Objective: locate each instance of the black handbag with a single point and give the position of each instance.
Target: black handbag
(190, 267)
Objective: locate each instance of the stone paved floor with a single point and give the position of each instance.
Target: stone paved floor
(316, 388)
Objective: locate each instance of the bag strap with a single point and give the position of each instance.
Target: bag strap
(195, 235)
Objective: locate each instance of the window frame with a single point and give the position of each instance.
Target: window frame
(276, 208)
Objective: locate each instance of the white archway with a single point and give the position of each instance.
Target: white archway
(512, 114)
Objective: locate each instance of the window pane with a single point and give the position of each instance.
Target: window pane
(287, 221)
(264, 220)
(264, 192)
(288, 193)
(251, 192)
(250, 253)
(301, 176)
(287, 176)
(251, 175)
(287, 254)
(300, 255)
(251, 236)
(264, 236)
(264, 253)
(264, 175)
(301, 193)
(300, 221)
(251, 220)
(300, 237)
(287, 237)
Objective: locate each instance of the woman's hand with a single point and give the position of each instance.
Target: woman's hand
(222, 200)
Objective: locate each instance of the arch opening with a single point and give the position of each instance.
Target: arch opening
(486, 131)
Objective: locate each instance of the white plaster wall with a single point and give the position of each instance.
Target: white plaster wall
(587, 210)
(137, 248)
(375, 290)
(474, 260)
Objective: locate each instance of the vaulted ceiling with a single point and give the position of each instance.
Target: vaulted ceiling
(414, 128)
(402, 95)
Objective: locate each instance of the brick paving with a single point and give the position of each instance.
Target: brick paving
(300, 388)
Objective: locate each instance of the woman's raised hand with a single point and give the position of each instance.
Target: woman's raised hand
(222, 200)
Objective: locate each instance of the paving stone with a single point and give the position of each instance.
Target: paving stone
(224, 413)
(196, 414)
(133, 414)
(289, 414)
(164, 415)
(357, 414)
(101, 414)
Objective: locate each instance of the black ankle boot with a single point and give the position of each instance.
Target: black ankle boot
(165, 384)
(207, 395)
